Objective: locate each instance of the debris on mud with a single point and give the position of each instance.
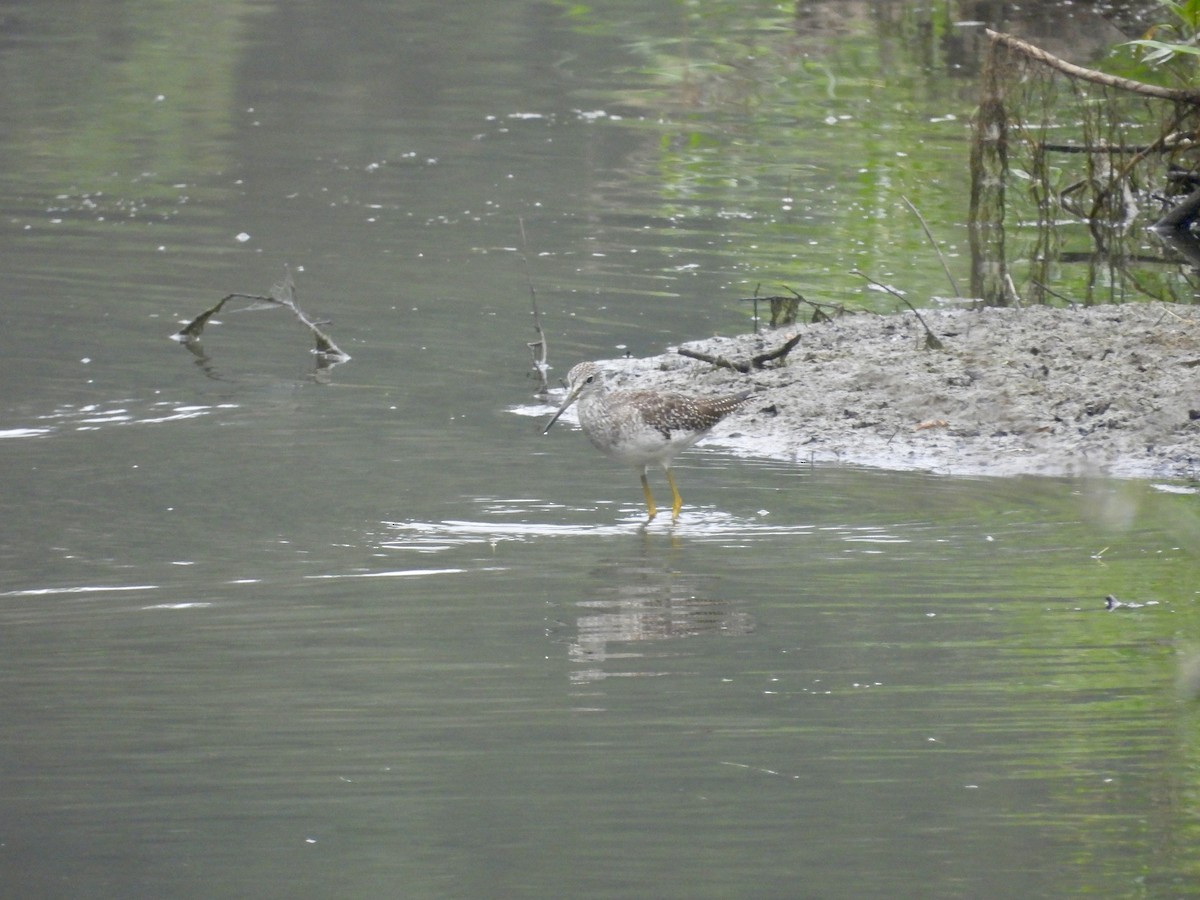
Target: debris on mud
(1106, 390)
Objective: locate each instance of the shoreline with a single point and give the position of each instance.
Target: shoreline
(1109, 390)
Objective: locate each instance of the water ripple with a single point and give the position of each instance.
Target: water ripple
(698, 524)
(94, 416)
(85, 589)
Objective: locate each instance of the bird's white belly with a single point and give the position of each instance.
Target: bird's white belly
(642, 447)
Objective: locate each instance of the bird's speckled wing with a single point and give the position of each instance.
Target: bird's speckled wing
(676, 414)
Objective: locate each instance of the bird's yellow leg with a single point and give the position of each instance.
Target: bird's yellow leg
(649, 499)
(677, 505)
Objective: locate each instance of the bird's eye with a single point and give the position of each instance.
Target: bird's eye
(590, 379)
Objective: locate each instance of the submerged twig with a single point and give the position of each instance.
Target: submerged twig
(818, 308)
(191, 331)
(785, 305)
(936, 249)
(783, 309)
(539, 349)
(1053, 293)
(1181, 216)
(1012, 290)
(932, 342)
(283, 293)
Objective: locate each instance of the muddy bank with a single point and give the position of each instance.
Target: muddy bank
(1111, 390)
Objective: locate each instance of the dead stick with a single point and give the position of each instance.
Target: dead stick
(539, 348)
(1112, 149)
(916, 212)
(719, 361)
(756, 362)
(763, 358)
(1071, 70)
(284, 293)
(818, 307)
(1181, 216)
(193, 329)
(931, 340)
(1054, 293)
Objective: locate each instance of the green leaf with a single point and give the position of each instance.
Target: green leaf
(1163, 50)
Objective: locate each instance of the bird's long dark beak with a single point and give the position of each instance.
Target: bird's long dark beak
(562, 409)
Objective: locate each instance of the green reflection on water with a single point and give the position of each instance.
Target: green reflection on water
(776, 137)
(146, 86)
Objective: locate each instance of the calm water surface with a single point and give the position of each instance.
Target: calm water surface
(363, 632)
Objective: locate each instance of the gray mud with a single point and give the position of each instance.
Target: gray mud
(1104, 390)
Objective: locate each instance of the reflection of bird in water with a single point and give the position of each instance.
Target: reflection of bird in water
(632, 606)
(639, 428)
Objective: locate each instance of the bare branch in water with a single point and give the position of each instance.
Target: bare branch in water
(1178, 95)
(283, 293)
(936, 249)
(783, 309)
(539, 349)
(192, 331)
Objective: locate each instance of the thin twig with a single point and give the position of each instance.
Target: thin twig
(1112, 149)
(283, 293)
(776, 305)
(936, 249)
(758, 361)
(193, 329)
(1017, 45)
(819, 309)
(780, 352)
(539, 349)
(931, 340)
(719, 361)
(1181, 216)
(819, 314)
(1012, 289)
(1053, 293)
